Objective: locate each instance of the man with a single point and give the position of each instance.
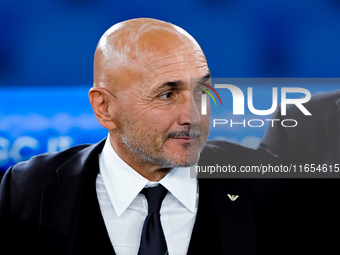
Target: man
(94, 199)
(315, 140)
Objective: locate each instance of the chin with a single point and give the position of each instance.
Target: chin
(183, 155)
(185, 159)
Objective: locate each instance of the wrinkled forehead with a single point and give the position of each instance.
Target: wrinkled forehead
(159, 47)
(168, 55)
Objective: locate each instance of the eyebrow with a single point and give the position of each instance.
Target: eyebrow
(172, 84)
(179, 83)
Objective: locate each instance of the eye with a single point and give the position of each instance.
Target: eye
(202, 90)
(167, 95)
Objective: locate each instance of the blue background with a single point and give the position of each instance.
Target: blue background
(47, 47)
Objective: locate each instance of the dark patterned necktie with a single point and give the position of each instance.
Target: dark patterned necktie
(153, 240)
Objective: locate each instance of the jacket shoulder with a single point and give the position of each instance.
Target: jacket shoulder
(320, 104)
(231, 153)
(325, 97)
(42, 168)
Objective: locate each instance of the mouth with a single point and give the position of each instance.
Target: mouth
(185, 136)
(182, 138)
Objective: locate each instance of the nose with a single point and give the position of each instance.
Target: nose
(190, 114)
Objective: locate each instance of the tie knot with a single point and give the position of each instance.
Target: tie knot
(154, 196)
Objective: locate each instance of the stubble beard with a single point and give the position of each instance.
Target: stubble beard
(155, 155)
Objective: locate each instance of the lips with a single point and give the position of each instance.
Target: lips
(184, 135)
(181, 137)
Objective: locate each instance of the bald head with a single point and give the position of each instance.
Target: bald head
(142, 94)
(127, 50)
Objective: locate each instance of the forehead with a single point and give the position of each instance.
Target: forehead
(163, 43)
(181, 63)
(176, 57)
(154, 56)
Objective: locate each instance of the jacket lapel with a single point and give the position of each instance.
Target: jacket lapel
(61, 202)
(59, 213)
(333, 134)
(204, 237)
(231, 222)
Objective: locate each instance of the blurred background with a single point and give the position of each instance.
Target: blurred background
(47, 47)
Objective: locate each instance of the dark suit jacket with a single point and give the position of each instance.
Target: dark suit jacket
(316, 139)
(48, 205)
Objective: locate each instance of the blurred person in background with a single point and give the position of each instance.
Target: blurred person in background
(313, 143)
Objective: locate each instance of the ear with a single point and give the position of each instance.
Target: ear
(101, 107)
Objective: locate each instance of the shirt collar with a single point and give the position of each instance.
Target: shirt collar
(123, 183)
(181, 186)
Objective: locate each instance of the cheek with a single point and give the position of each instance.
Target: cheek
(162, 122)
(147, 117)
(205, 123)
(152, 121)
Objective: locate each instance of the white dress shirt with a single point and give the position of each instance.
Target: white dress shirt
(124, 209)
